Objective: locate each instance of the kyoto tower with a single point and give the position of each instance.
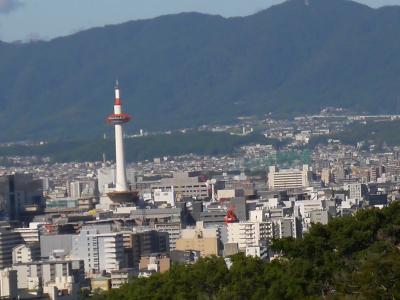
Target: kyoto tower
(122, 192)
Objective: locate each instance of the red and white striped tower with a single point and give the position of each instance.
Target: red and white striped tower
(117, 119)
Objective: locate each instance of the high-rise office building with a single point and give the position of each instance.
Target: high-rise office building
(8, 240)
(20, 194)
(148, 242)
(288, 178)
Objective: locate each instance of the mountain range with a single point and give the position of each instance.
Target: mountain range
(191, 69)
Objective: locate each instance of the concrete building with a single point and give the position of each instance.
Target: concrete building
(227, 194)
(164, 197)
(355, 191)
(8, 240)
(285, 227)
(75, 189)
(105, 178)
(319, 216)
(148, 242)
(100, 283)
(306, 206)
(249, 234)
(184, 257)
(174, 232)
(153, 215)
(288, 178)
(55, 242)
(8, 284)
(200, 239)
(240, 208)
(64, 275)
(326, 176)
(83, 188)
(121, 277)
(156, 263)
(257, 251)
(25, 253)
(230, 249)
(57, 204)
(28, 235)
(184, 186)
(20, 195)
(213, 217)
(99, 251)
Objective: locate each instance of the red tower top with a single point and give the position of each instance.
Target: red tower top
(117, 95)
(118, 117)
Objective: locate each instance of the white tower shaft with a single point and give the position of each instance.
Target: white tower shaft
(121, 184)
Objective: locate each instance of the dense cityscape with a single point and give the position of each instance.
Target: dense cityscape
(74, 229)
(210, 150)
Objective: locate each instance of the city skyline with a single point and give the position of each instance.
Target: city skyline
(46, 19)
(262, 160)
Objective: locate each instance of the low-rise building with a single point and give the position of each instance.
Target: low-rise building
(25, 253)
(156, 263)
(121, 277)
(207, 241)
(65, 275)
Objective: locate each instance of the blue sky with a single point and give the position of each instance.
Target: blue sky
(32, 19)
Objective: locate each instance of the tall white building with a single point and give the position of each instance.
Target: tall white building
(8, 284)
(288, 178)
(249, 234)
(99, 251)
(106, 178)
(83, 188)
(354, 191)
(75, 189)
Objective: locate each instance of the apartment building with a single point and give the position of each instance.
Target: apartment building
(288, 178)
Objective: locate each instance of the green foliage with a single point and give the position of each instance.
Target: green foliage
(190, 69)
(350, 258)
(202, 143)
(379, 133)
